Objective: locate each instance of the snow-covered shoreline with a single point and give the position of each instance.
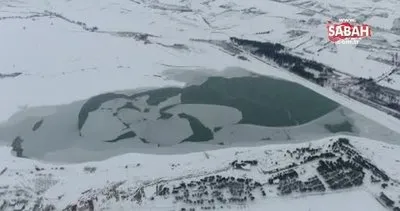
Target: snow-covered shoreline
(136, 170)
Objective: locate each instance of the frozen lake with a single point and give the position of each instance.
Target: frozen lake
(212, 111)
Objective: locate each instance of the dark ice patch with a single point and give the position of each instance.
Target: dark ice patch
(164, 114)
(345, 126)
(262, 100)
(37, 125)
(126, 135)
(200, 132)
(216, 129)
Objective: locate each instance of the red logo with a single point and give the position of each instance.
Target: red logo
(347, 31)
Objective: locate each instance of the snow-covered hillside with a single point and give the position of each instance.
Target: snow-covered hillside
(332, 174)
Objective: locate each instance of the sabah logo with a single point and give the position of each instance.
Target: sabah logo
(347, 31)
